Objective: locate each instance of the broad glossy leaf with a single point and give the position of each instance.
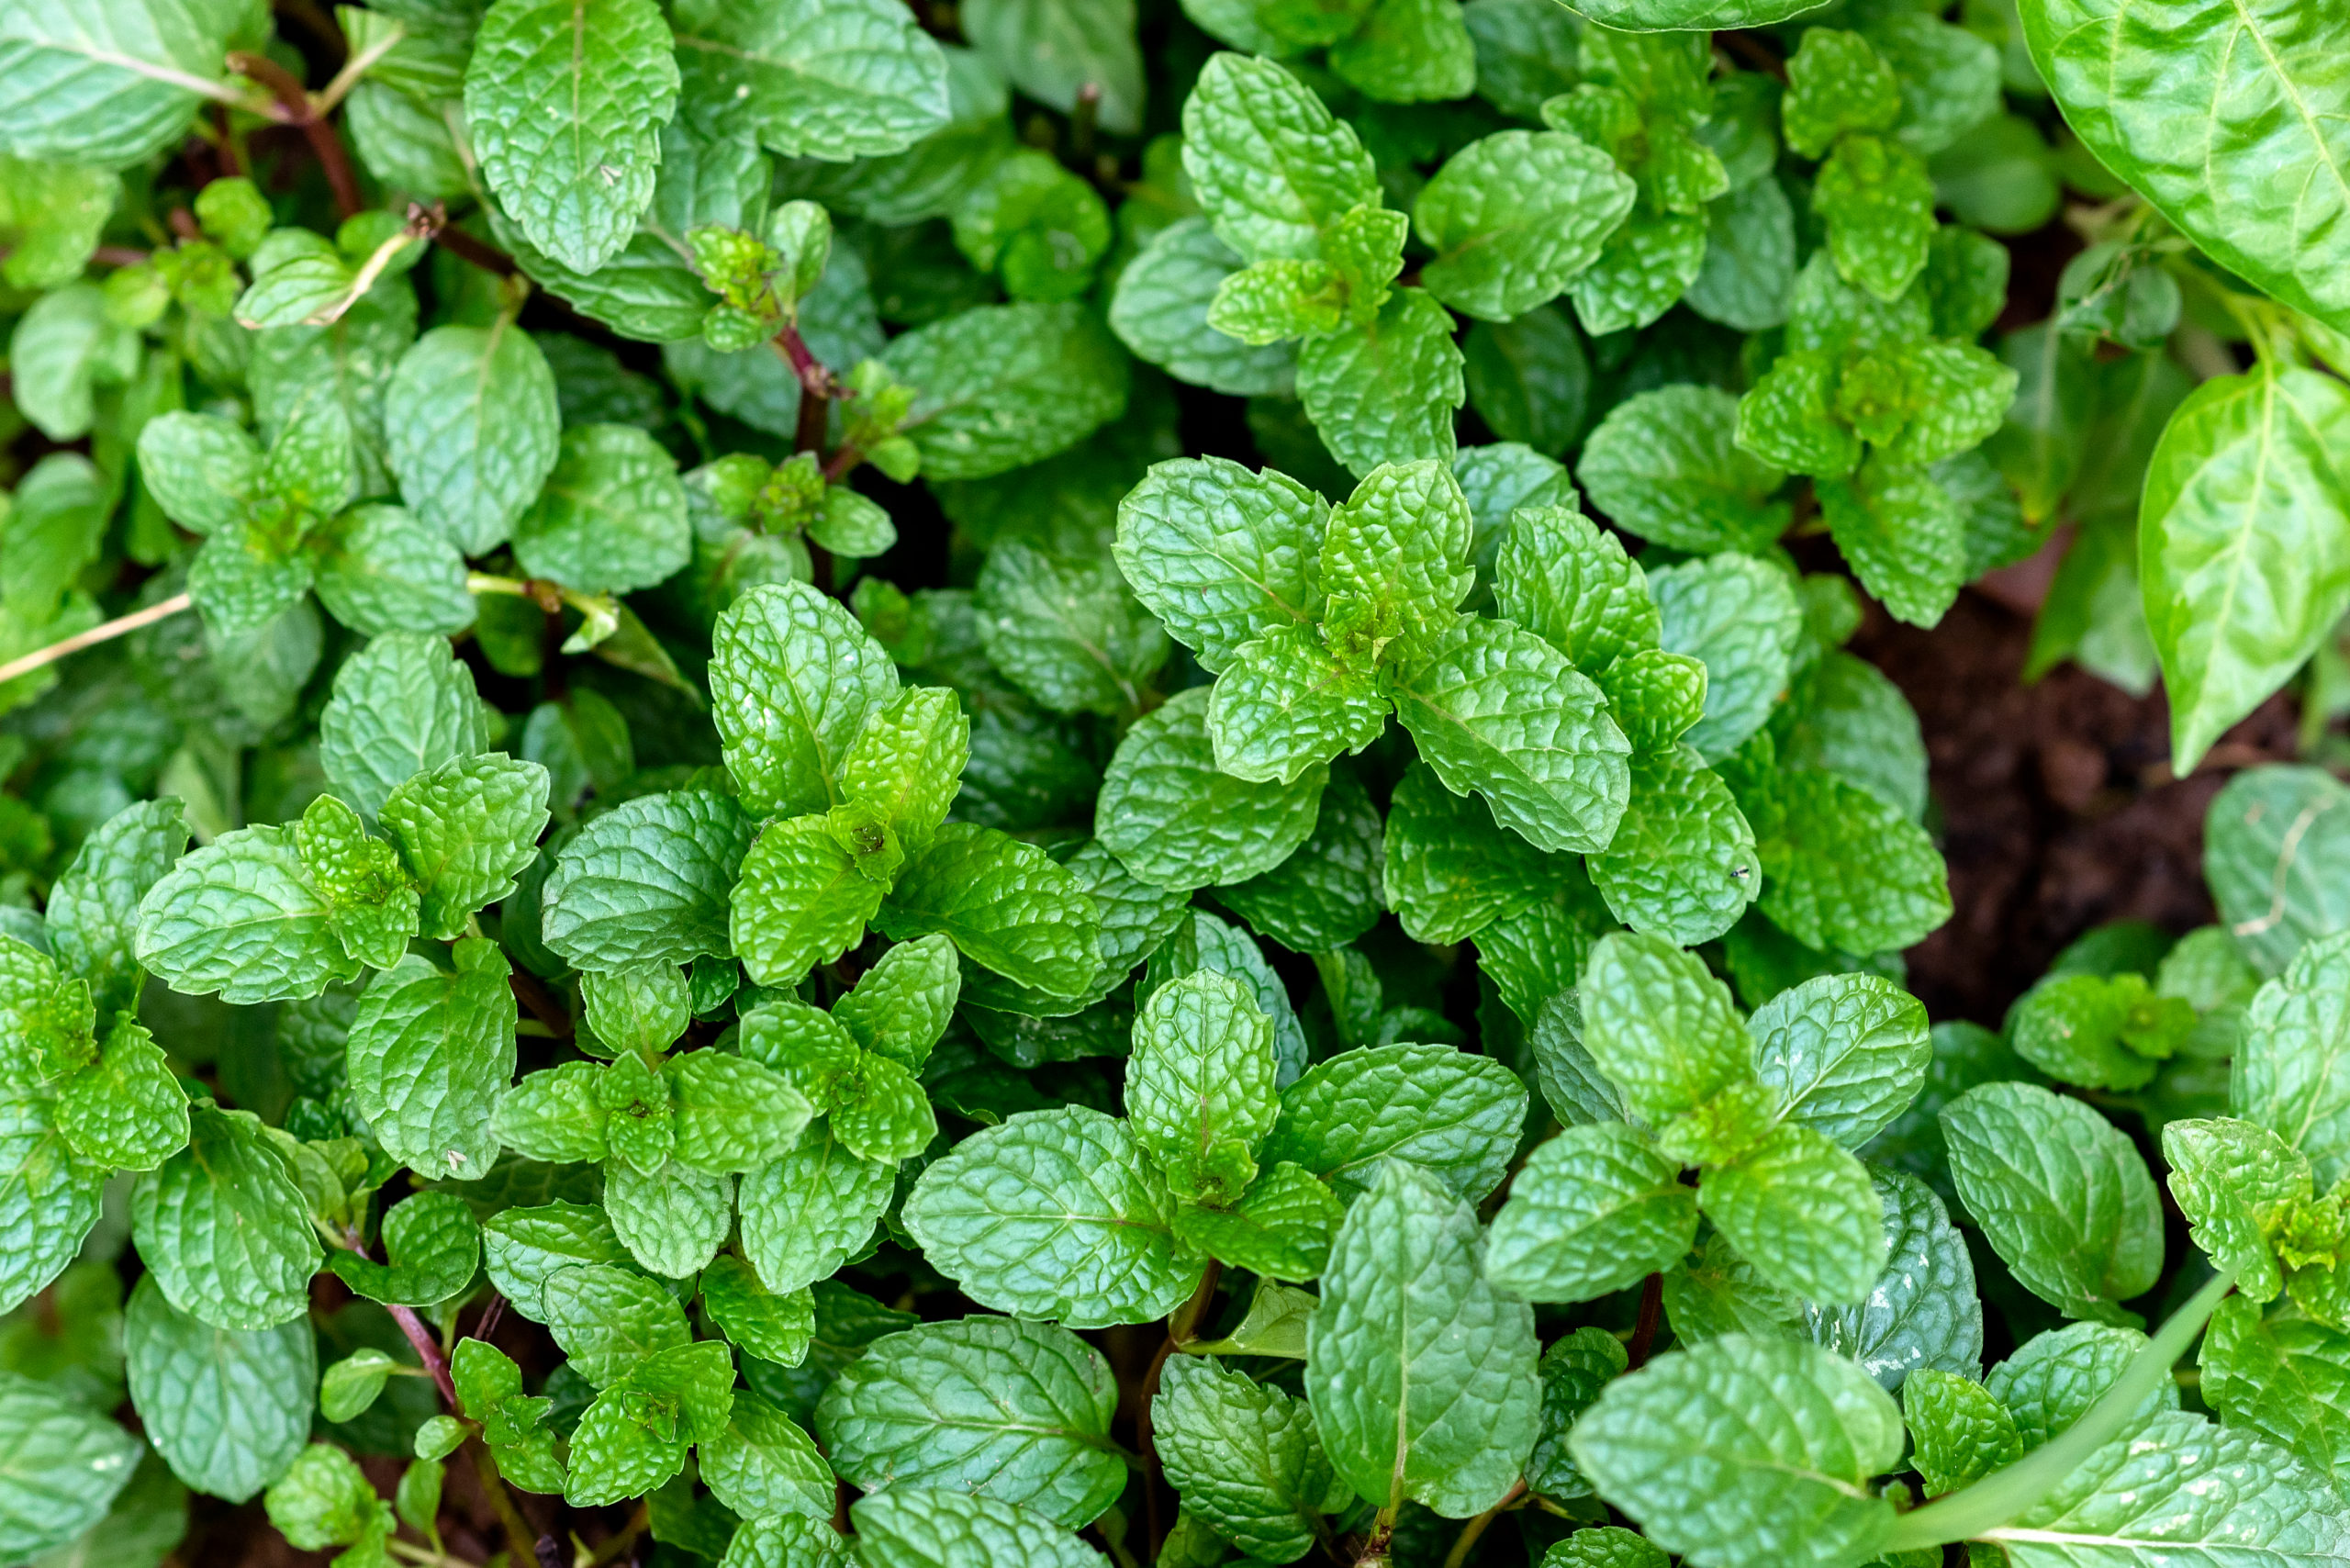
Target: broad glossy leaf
(2247, 501)
(807, 1214)
(1003, 386)
(91, 914)
(1845, 1053)
(1660, 1026)
(1514, 217)
(612, 517)
(1017, 1412)
(1739, 616)
(2286, 1075)
(49, 1199)
(110, 84)
(402, 705)
(1006, 904)
(1663, 465)
(1386, 392)
(1801, 1210)
(1222, 554)
(2264, 183)
(762, 1464)
(2287, 1380)
(1422, 1378)
(1159, 311)
(1200, 1085)
(1683, 863)
(1272, 167)
(464, 830)
(1922, 1311)
(1055, 1214)
(908, 1527)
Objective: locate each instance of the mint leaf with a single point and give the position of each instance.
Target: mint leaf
(1220, 554)
(647, 881)
(1593, 1211)
(1015, 1412)
(1080, 1234)
(1246, 1458)
(222, 1226)
(1200, 1085)
(1175, 822)
(472, 425)
(1513, 218)
(856, 80)
(1454, 1115)
(429, 1053)
(1273, 170)
(1449, 1405)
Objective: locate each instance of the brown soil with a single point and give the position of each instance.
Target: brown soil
(2055, 803)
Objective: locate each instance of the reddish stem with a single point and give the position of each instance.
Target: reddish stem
(1644, 1327)
(428, 1349)
(815, 389)
(326, 145)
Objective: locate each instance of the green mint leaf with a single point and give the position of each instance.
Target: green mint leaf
(47, 1198)
(1065, 630)
(812, 79)
(1842, 870)
(241, 916)
(773, 1327)
(431, 1244)
(2279, 1379)
(473, 426)
(1003, 386)
(808, 1213)
(1750, 265)
(65, 1465)
(1513, 218)
(1663, 465)
(1281, 1228)
(2238, 1184)
(1499, 710)
(1877, 201)
(1421, 1377)
(1845, 1054)
(1204, 942)
(1922, 1315)
(1738, 616)
(2062, 1195)
(1454, 1115)
(1802, 1433)
(762, 1464)
(402, 705)
(1683, 863)
(803, 900)
(612, 517)
(647, 882)
(464, 830)
(1558, 576)
(1385, 391)
(1802, 1211)
(1287, 704)
(1593, 1211)
(1660, 1026)
(1028, 1406)
(635, 1435)
(1200, 1085)
(1159, 310)
(672, 1222)
(609, 1320)
(429, 1054)
(553, 1114)
(222, 1227)
(1005, 904)
(1082, 1239)
(1644, 267)
(911, 1527)
(1245, 1457)
(1573, 1370)
(387, 570)
(2272, 899)
(901, 1006)
(203, 470)
(1450, 870)
(228, 1410)
(521, 1248)
(1270, 166)
(126, 1111)
(1220, 554)
(1836, 82)
(793, 680)
(567, 102)
(1960, 1432)
(643, 1008)
(1788, 419)
(733, 1114)
(1175, 821)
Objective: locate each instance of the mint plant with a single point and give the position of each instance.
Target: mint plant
(698, 806)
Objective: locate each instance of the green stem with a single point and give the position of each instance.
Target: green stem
(2006, 1494)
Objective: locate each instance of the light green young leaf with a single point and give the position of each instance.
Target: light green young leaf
(793, 680)
(672, 1223)
(2286, 1074)
(1421, 1377)
(1660, 1026)
(1683, 863)
(1801, 1210)
(1287, 704)
(1739, 616)
(1012, 1411)
(762, 1464)
(1844, 1053)
(49, 1200)
(810, 1211)
(521, 1248)
(1055, 1215)
(1005, 904)
(609, 1320)
(430, 1245)
(902, 1005)
(773, 1327)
